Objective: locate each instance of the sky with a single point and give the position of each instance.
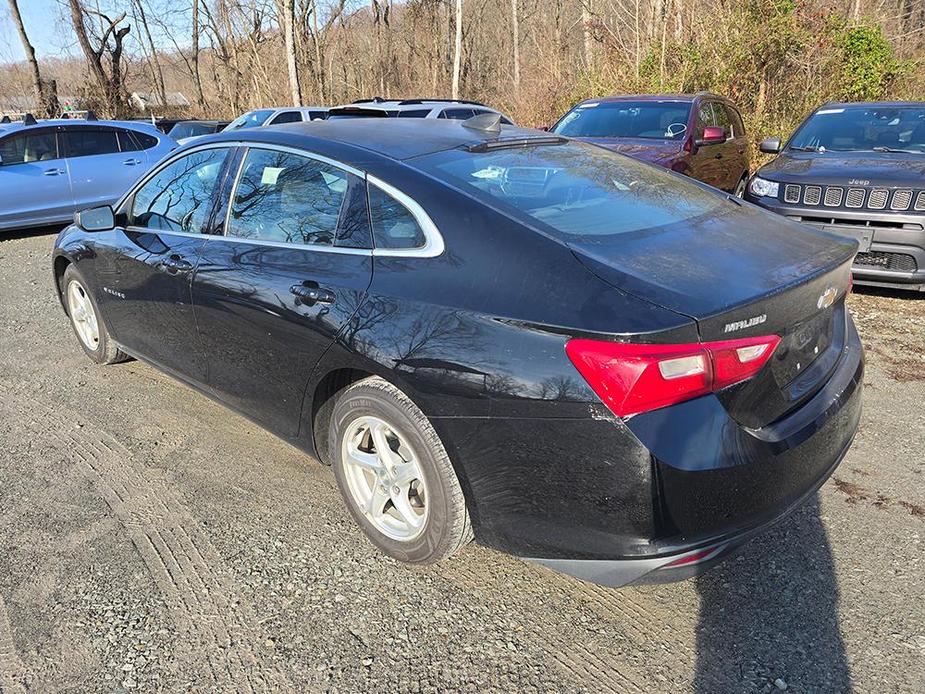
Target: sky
(46, 25)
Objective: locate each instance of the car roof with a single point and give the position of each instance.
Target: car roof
(79, 122)
(872, 104)
(656, 97)
(397, 138)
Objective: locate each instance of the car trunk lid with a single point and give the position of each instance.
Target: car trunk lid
(740, 274)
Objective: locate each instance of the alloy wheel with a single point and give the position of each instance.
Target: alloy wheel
(385, 478)
(80, 308)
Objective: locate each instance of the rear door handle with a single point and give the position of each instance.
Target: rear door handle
(53, 172)
(131, 162)
(310, 295)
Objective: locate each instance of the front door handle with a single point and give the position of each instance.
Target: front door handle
(53, 172)
(131, 162)
(310, 294)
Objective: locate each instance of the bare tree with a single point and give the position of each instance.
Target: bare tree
(457, 49)
(110, 43)
(46, 97)
(194, 58)
(515, 40)
(157, 73)
(292, 64)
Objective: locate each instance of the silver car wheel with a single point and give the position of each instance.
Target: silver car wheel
(80, 309)
(384, 478)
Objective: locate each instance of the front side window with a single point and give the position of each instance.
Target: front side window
(392, 223)
(721, 118)
(573, 190)
(287, 198)
(414, 113)
(179, 196)
(705, 117)
(881, 128)
(655, 120)
(457, 113)
(28, 147)
(87, 142)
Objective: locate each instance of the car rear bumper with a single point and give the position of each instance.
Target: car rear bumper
(618, 501)
(892, 245)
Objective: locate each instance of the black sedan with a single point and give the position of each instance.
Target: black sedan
(576, 357)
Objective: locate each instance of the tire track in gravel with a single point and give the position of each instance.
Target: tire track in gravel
(11, 667)
(200, 591)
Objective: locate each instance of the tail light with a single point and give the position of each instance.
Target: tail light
(634, 378)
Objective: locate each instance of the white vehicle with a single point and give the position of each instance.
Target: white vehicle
(377, 107)
(276, 116)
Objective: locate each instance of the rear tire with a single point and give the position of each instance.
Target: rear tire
(87, 321)
(395, 475)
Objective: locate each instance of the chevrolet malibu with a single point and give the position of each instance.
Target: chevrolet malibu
(573, 356)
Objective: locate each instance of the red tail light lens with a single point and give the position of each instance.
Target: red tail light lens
(634, 378)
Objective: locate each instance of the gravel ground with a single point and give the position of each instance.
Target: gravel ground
(151, 540)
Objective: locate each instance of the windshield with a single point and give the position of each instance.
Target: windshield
(656, 120)
(252, 119)
(578, 191)
(181, 130)
(862, 130)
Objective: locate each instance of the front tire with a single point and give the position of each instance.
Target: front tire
(395, 475)
(87, 321)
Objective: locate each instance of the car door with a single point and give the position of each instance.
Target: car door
(146, 264)
(100, 171)
(738, 144)
(33, 179)
(290, 269)
(707, 160)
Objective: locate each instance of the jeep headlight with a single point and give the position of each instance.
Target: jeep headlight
(763, 188)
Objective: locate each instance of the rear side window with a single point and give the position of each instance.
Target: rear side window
(392, 223)
(127, 143)
(179, 196)
(87, 142)
(286, 117)
(142, 140)
(23, 148)
(414, 113)
(317, 115)
(287, 198)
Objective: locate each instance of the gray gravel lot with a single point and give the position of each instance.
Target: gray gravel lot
(151, 540)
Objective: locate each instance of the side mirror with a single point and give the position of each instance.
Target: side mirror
(96, 219)
(712, 135)
(544, 128)
(770, 145)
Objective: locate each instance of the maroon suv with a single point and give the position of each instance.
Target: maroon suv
(699, 135)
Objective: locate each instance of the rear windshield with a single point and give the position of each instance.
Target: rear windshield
(252, 119)
(577, 190)
(655, 120)
(862, 129)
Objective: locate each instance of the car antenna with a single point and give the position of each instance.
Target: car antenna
(485, 122)
(28, 119)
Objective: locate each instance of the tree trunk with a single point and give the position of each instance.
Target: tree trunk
(457, 50)
(291, 63)
(111, 86)
(515, 38)
(45, 99)
(586, 32)
(197, 80)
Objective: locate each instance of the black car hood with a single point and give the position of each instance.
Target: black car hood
(736, 255)
(847, 168)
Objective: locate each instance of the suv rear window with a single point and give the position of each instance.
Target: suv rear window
(655, 120)
(575, 190)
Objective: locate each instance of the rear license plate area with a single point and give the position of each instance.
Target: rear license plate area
(801, 346)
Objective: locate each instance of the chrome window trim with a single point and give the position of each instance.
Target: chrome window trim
(433, 240)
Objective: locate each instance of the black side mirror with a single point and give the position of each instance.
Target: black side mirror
(96, 219)
(770, 145)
